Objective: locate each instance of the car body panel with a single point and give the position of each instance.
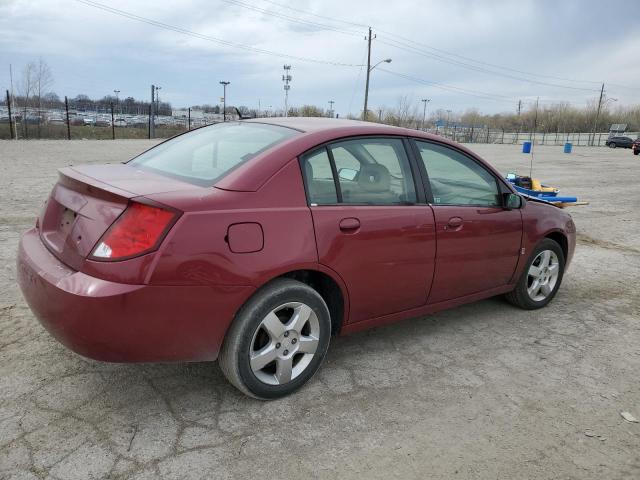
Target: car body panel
(118, 322)
(387, 261)
(484, 250)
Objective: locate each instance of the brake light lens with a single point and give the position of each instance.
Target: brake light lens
(139, 230)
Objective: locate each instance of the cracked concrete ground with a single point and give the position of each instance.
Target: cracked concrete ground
(481, 391)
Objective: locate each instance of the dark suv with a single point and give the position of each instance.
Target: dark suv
(623, 142)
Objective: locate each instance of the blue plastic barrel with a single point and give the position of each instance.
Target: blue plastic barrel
(526, 147)
(567, 147)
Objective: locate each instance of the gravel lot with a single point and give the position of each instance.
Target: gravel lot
(481, 391)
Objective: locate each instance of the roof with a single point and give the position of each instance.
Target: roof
(317, 124)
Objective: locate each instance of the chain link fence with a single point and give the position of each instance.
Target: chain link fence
(487, 135)
(75, 121)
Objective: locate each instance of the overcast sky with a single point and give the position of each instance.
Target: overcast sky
(480, 54)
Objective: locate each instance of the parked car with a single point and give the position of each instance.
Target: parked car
(615, 142)
(254, 242)
(636, 146)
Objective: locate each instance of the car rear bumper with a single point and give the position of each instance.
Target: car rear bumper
(120, 322)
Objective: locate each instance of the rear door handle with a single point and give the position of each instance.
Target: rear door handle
(349, 224)
(455, 223)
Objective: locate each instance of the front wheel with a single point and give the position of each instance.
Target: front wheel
(612, 145)
(541, 278)
(277, 341)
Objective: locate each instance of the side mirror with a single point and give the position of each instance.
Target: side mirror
(347, 174)
(511, 201)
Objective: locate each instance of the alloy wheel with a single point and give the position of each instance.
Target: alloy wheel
(543, 275)
(284, 343)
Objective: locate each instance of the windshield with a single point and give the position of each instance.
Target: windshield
(205, 155)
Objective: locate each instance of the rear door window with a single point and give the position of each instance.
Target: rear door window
(373, 171)
(320, 184)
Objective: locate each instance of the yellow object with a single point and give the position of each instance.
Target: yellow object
(538, 187)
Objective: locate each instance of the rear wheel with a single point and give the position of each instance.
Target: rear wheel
(612, 145)
(277, 341)
(541, 278)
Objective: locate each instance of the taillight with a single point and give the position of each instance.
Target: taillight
(139, 230)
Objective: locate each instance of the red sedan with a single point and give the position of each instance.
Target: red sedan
(253, 242)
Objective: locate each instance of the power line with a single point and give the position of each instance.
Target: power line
(289, 18)
(337, 20)
(464, 91)
(208, 38)
(480, 62)
(434, 56)
(451, 54)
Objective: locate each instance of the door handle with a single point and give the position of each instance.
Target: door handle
(455, 223)
(349, 224)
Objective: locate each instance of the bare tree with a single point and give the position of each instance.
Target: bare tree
(43, 80)
(26, 89)
(35, 82)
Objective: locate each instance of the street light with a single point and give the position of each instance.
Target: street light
(331, 102)
(224, 100)
(366, 88)
(424, 111)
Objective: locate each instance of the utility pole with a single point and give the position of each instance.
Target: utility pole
(331, 102)
(152, 126)
(11, 133)
(158, 101)
(286, 78)
(519, 121)
(366, 88)
(535, 125)
(595, 122)
(15, 122)
(117, 92)
(66, 108)
(224, 100)
(424, 111)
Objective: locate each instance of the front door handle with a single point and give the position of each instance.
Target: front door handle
(349, 224)
(455, 223)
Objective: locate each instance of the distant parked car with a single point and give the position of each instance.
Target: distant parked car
(636, 146)
(622, 142)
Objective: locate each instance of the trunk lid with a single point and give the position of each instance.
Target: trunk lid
(87, 200)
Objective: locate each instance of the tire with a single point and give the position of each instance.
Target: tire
(612, 145)
(636, 152)
(279, 326)
(525, 295)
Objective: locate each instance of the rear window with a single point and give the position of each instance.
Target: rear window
(204, 156)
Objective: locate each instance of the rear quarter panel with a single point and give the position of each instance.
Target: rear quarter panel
(197, 252)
